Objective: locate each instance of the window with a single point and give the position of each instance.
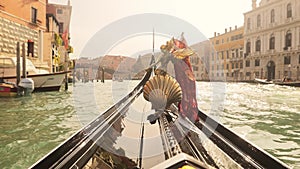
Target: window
(227, 65)
(257, 62)
(232, 66)
(33, 15)
(256, 74)
(237, 52)
(258, 21)
(257, 45)
(248, 48)
(61, 27)
(195, 68)
(287, 60)
(289, 11)
(272, 16)
(241, 65)
(227, 54)
(299, 59)
(247, 63)
(237, 65)
(288, 39)
(59, 11)
(222, 53)
(272, 42)
(248, 23)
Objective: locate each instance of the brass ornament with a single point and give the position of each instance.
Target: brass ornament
(162, 91)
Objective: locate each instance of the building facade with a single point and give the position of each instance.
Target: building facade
(24, 22)
(59, 17)
(272, 40)
(226, 58)
(200, 60)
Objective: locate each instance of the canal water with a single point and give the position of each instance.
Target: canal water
(266, 115)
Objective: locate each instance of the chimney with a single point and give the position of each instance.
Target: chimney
(230, 29)
(225, 30)
(215, 34)
(235, 27)
(253, 4)
(218, 34)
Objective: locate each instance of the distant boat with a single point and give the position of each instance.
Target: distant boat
(263, 81)
(282, 83)
(43, 80)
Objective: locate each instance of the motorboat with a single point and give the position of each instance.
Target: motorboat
(43, 79)
(284, 82)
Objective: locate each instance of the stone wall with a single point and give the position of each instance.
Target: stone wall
(11, 33)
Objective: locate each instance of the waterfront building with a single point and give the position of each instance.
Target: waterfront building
(114, 66)
(52, 41)
(200, 60)
(226, 57)
(272, 40)
(24, 22)
(59, 17)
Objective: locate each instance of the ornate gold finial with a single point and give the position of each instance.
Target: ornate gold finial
(162, 91)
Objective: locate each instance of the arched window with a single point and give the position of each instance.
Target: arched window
(272, 42)
(257, 45)
(289, 11)
(258, 21)
(248, 23)
(272, 16)
(288, 39)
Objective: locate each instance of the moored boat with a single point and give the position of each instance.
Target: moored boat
(43, 80)
(8, 89)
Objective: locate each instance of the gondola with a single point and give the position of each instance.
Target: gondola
(205, 144)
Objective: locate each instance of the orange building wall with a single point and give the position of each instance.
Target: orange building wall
(19, 11)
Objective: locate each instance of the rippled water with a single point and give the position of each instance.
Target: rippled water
(30, 127)
(266, 115)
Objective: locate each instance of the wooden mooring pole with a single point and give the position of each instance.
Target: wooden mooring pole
(102, 78)
(24, 73)
(18, 64)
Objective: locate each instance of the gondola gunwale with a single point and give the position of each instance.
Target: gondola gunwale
(246, 151)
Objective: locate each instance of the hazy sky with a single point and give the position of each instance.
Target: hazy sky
(91, 16)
